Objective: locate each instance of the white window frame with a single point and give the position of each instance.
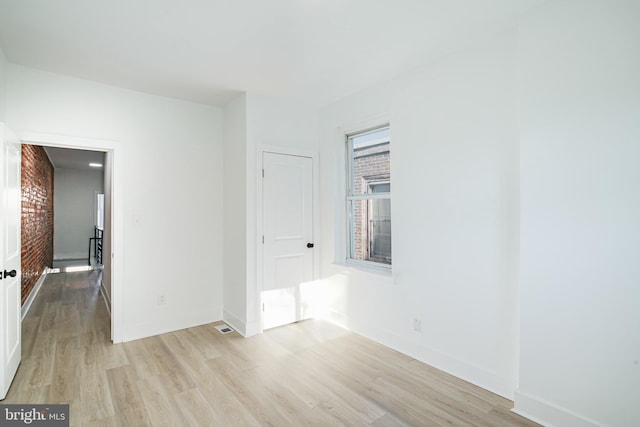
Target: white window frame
(350, 197)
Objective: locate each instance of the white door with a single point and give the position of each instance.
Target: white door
(10, 334)
(287, 192)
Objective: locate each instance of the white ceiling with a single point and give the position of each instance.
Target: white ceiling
(208, 51)
(67, 158)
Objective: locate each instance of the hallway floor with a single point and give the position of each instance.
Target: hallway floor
(308, 373)
(63, 264)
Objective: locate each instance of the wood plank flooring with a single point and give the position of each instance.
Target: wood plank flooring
(306, 374)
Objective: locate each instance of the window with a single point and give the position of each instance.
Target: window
(100, 211)
(369, 196)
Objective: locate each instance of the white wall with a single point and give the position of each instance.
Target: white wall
(253, 121)
(172, 157)
(235, 213)
(3, 86)
(580, 133)
(74, 204)
(454, 170)
(274, 123)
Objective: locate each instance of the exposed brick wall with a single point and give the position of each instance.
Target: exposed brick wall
(37, 215)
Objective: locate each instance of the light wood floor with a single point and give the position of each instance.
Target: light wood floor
(309, 373)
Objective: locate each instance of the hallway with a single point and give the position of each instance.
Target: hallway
(64, 335)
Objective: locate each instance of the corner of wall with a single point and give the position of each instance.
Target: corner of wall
(246, 329)
(234, 211)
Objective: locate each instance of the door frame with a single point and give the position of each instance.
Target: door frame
(117, 211)
(315, 200)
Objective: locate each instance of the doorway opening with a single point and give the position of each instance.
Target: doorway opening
(78, 209)
(112, 233)
(62, 216)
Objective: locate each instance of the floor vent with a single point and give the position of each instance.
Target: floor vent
(224, 328)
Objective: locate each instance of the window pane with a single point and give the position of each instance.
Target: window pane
(384, 187)
(369, 161)
(371, 230)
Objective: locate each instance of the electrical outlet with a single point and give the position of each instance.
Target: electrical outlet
(162, 299)
(417, 325)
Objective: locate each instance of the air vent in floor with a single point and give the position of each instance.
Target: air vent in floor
(224, 328)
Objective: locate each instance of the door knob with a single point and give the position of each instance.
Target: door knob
(11, 273)
(309, 245)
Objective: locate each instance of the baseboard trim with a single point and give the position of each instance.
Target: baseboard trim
(71, 257)
(253, 328)
(548, 414)
(34, 292)
(105, 297)
(247, 330)
(171, 324)
(464, 370)
(234, 322)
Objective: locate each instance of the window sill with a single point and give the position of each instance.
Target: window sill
(381, 271)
